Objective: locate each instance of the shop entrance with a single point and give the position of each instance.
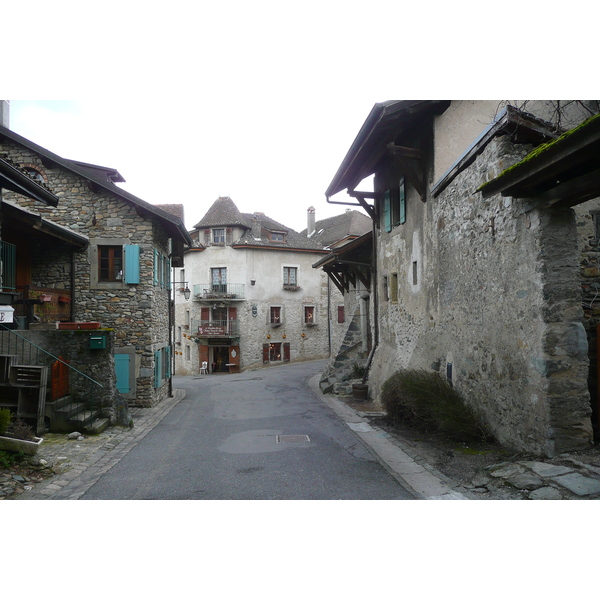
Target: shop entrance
(220, 359)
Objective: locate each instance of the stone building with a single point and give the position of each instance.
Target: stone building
(110, 263)
(254, 297)
(481, 285)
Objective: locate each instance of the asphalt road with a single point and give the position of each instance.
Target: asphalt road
(241, 436)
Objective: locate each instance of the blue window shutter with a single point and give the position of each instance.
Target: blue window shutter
(122, 372)
(402, 200)
(168, 362)
(168, 273)
(132, 264)
(157, 369)
(387, 210)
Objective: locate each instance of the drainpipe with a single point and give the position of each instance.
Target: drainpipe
(72, 309)
(375, 296)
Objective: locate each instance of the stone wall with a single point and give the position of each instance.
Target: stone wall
(138, 313)
(489, 295)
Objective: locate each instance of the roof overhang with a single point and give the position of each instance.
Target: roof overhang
(385, 123)
(564, 172)
(17, 181)
(349, 263)
(39, 223)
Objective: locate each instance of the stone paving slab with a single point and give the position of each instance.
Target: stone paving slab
(578, 484)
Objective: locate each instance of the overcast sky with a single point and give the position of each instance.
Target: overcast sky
(259, 101)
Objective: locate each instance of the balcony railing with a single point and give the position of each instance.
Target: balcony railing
(219, 291)
(228, 328)
(43, 305)
(8, 267)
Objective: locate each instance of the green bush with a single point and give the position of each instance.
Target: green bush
(4, 419)
(425, 399)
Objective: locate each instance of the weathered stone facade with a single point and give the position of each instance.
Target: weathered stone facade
(487, 293)
(138, 310)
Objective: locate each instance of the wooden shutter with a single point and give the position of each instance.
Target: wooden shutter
(229, 236)
(132, 264)
(205, 313)
(402, 200)
(155, 266)
(122, 372)
(265, 353)
(341, 314)
(387, 210)
(286, 352)
(168, 362)
(207, 237)
(157, 369)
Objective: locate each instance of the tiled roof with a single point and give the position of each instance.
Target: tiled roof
(177, 210)
(351, 223)
(223, 212)
(293, 239)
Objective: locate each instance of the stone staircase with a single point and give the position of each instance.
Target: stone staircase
(339, 373)
(66, 416)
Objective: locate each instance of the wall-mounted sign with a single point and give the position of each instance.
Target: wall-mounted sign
(6, 314)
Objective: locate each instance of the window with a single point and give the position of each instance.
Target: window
(275, 351)
(114, 263)
(218, 236)
(394, 287)
(187, 353)
(290, 277)
(275, 315)
(341, 314)
(415, 272)
(309, 315)
(277, 237)
(219, 279)
(110, 263)
(179, 335)
(394, 206)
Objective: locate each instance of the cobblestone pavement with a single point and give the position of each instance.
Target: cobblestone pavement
(78, 464)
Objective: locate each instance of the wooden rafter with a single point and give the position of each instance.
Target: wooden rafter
(401, 155)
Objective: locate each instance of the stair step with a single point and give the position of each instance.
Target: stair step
(60, 402)
(98, 426)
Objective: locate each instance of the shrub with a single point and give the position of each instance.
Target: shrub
(20, 430)
(4, 419)
(427, 401)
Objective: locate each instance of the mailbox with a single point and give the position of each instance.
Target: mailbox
(98, 342)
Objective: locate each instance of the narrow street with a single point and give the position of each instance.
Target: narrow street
(250, 436)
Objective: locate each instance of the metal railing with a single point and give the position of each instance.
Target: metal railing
(8, 267)
(219, 291)
(218, 328)
(82, 389)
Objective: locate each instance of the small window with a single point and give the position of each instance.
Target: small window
(218, 236)
(187, 353)
(394, 206)
(309, 315)
(394, 288)
(275, 315)
(290, 277)
(277, 237)
(415, 272)
(341, 314)
(110, 263)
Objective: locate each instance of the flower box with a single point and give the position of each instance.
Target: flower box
(71, 326)
(17, 445)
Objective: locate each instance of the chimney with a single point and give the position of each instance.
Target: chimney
(256, 227)
(5, 113)
(310, 230)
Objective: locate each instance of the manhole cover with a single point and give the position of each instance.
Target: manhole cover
(291, 439)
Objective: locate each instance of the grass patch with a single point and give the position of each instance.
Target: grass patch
(425, 400)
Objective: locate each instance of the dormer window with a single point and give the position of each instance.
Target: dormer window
(277, 236)
(218, 236)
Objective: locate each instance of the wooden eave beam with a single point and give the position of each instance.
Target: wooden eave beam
(369, 208)
(403, 151)
(415, 180)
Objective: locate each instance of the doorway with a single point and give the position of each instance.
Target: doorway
(220, 359)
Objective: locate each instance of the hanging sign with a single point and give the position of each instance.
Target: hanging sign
(6, 314)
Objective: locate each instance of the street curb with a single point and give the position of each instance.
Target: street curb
(420, 478)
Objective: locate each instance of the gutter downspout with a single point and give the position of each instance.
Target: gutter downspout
(374, 286)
